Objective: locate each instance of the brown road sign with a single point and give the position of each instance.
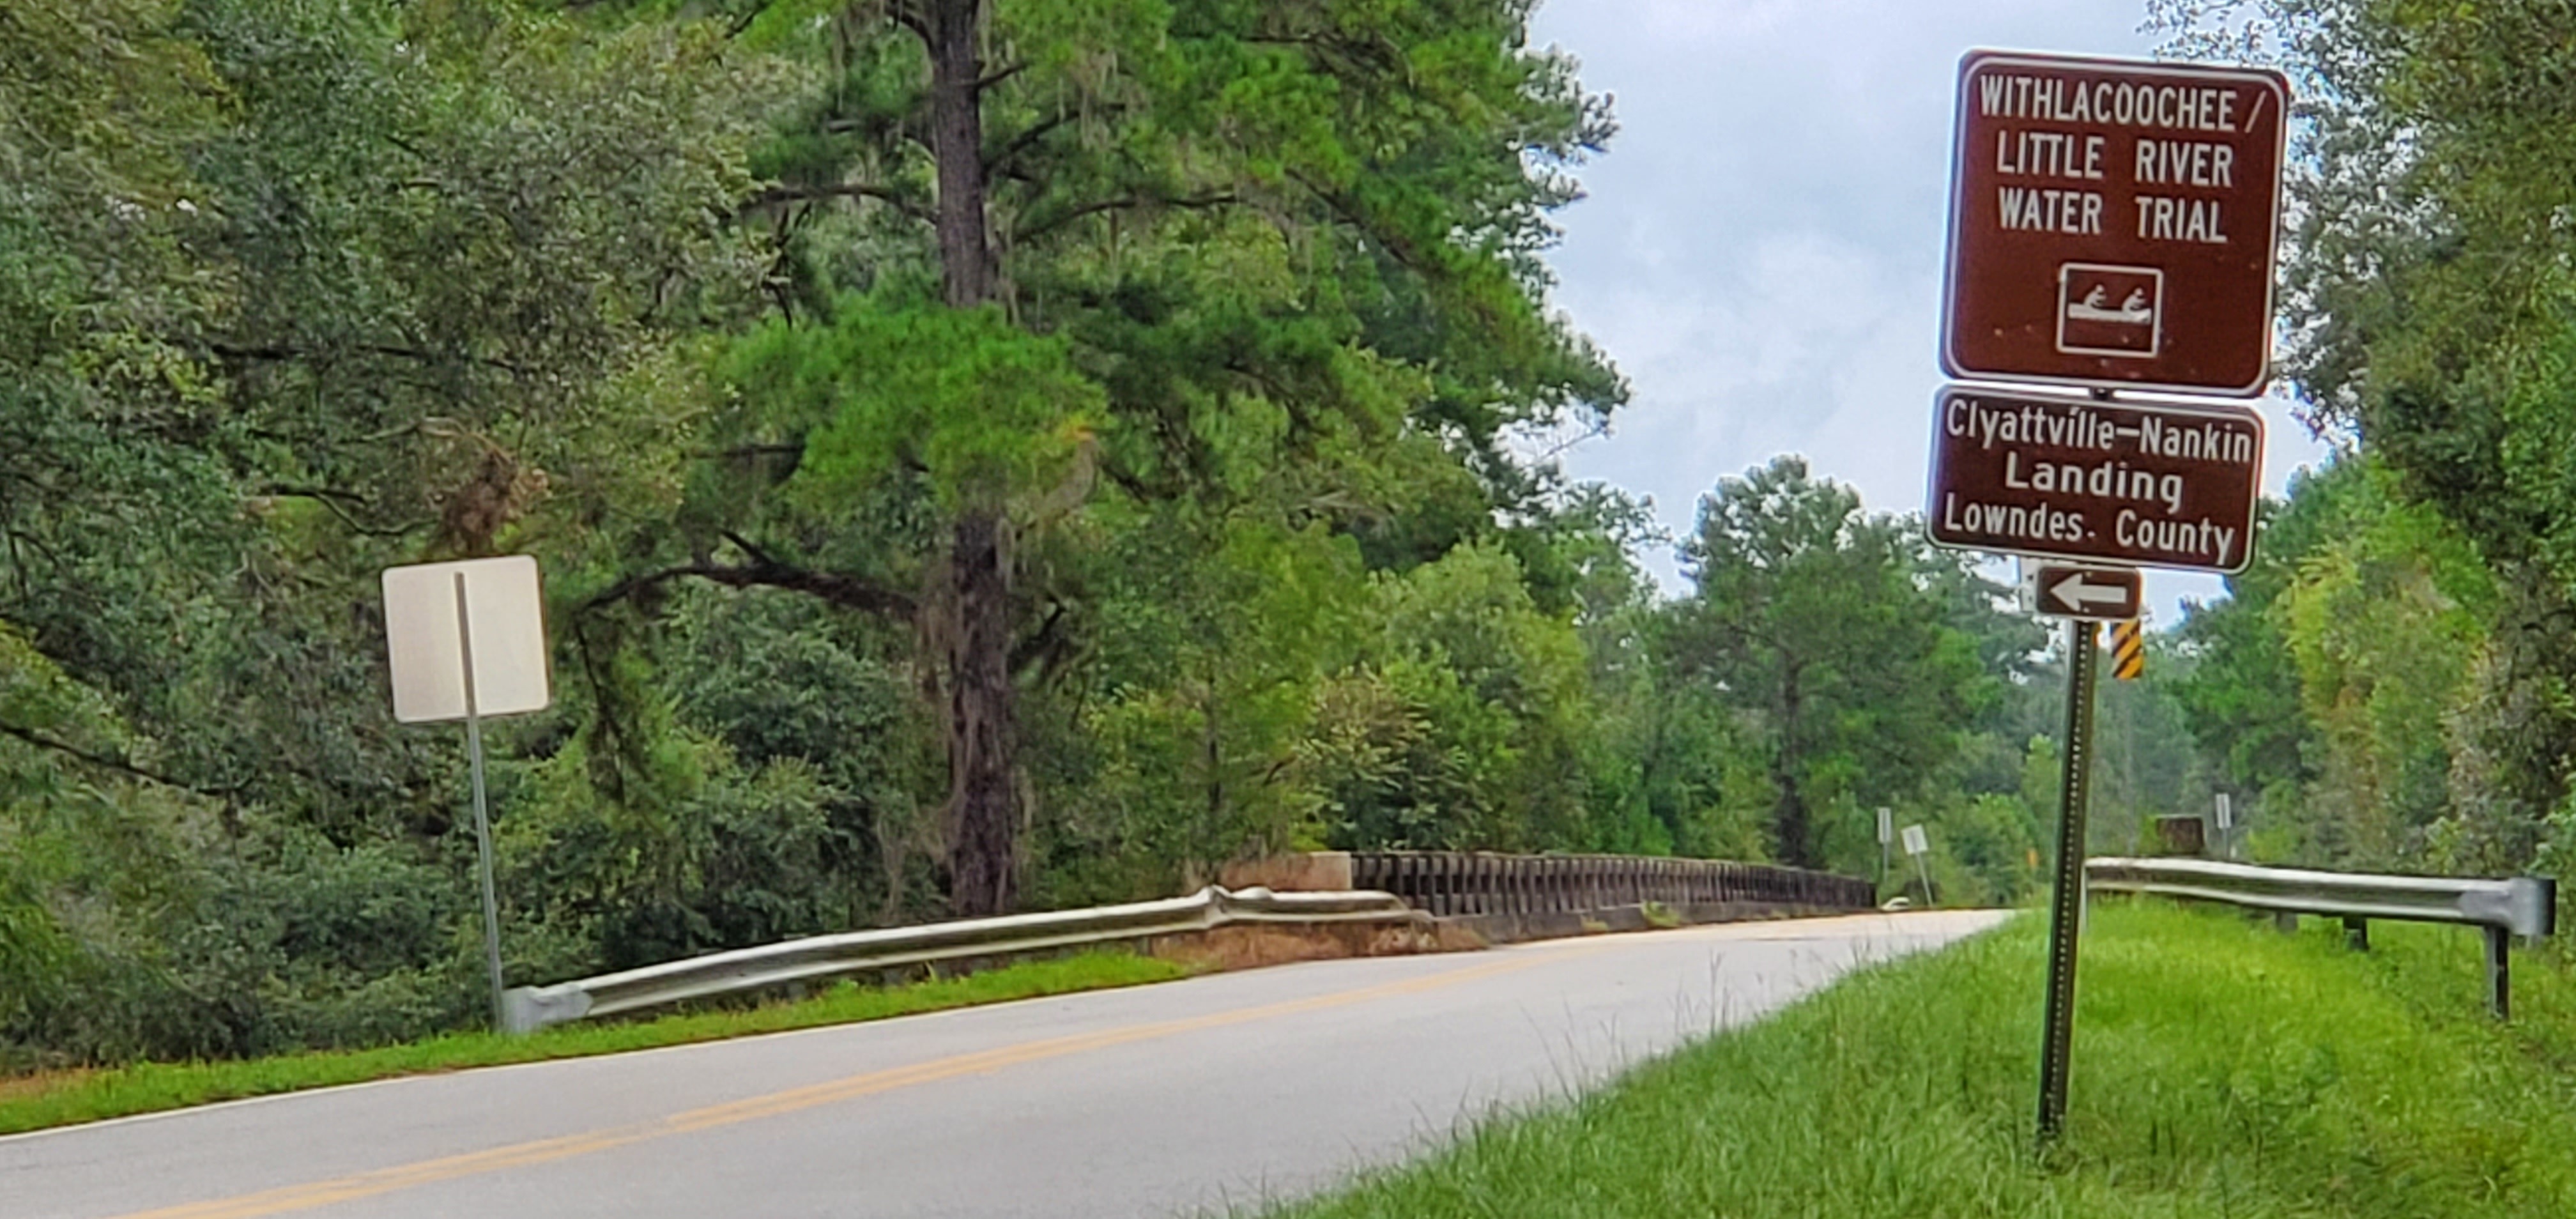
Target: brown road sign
(2112, 223)
(2127, 483)
(2103, 594)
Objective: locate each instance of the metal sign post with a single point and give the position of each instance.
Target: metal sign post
(2226, 826)
(482, 810)
(1917, 845)
(463, 641)
(2112, 226)
(2065, 903)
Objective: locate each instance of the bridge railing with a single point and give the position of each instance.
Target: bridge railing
(1383, 887)
(1467, 883)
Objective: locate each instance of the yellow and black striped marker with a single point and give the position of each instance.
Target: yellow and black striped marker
(2128, 650)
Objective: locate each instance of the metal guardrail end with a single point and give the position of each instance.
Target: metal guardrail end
(2534, 906)
(525, 1009)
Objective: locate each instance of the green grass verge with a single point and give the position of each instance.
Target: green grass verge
(2221, 1069)
(65, 1099)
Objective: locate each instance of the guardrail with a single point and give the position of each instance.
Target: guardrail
(745, 970)
(2523, 905)
(1458, 883)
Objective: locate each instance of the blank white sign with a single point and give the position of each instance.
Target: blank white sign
(1915, 842)
(504, 606)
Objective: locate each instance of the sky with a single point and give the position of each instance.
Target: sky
(1760, 250)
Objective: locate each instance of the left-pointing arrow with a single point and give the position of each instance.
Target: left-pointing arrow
(2078, 593)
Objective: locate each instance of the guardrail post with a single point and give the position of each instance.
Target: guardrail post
(2499, 972)
(2356, 933)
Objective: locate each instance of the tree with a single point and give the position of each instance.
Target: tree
(1093, 421)
(1810, 614)
(2427, 296)
(297, 290)
(1164, 252)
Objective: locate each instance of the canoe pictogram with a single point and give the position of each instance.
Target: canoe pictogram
(2107, 310)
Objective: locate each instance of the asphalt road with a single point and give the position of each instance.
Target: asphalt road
(1174, 1099)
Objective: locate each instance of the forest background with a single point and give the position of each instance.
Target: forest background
(1028, 454)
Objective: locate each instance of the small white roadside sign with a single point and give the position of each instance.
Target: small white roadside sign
(465, 641)
(429, 625)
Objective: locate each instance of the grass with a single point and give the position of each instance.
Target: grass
(2220, 1069)
(70, 1097)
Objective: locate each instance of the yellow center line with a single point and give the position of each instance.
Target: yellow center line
(541, 1151)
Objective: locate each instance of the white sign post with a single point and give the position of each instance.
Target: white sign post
(2226, 826)
(465, 640)
(1886, 833)
(1916, 845)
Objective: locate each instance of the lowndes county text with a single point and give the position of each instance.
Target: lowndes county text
(2120, 483)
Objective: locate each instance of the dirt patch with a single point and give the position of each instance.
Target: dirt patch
(1252, 946)
(20, 1087)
